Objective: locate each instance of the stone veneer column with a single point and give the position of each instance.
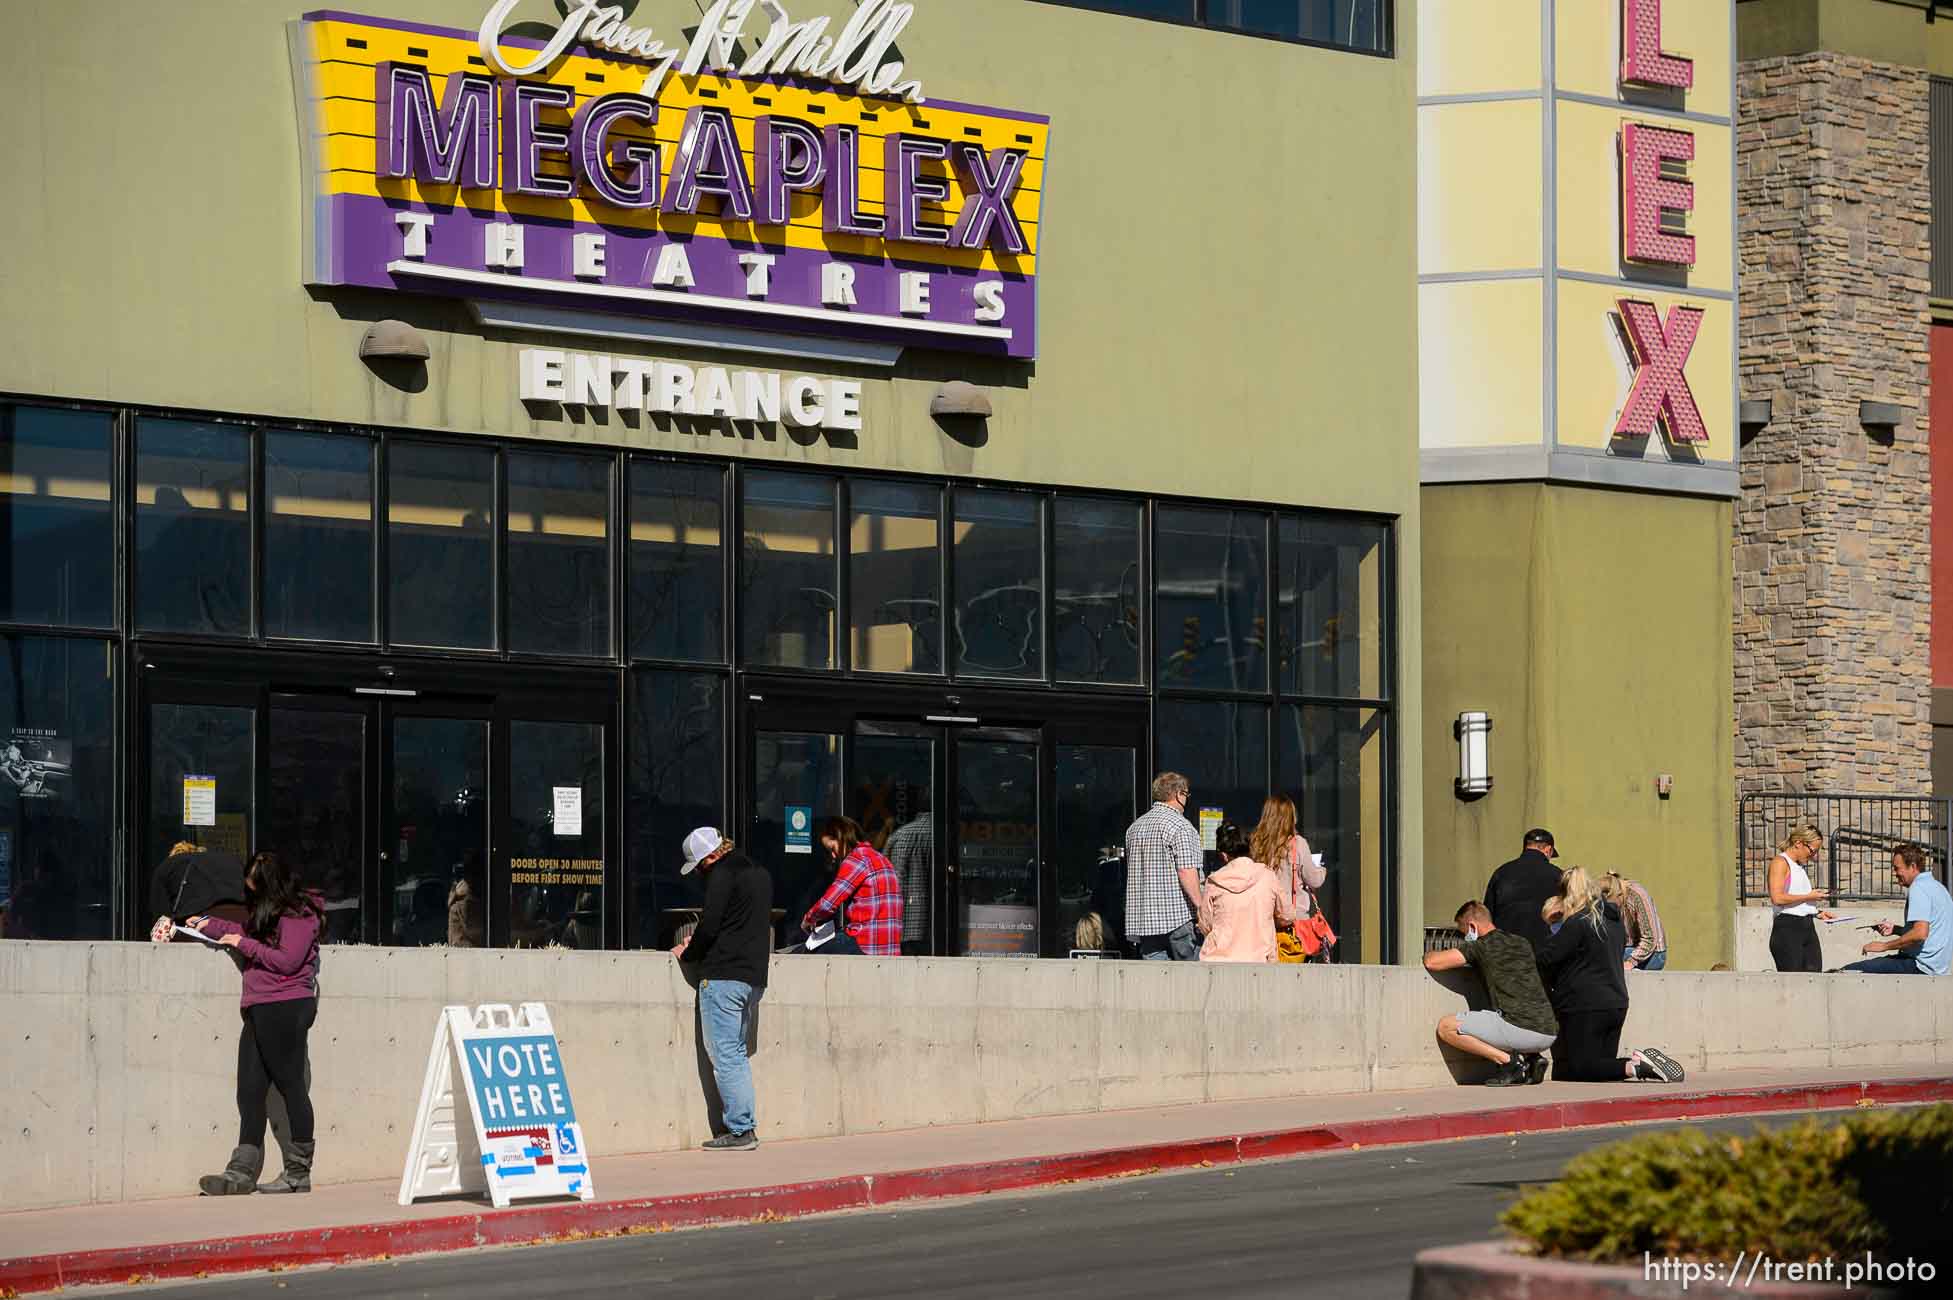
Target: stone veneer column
(1833, 678)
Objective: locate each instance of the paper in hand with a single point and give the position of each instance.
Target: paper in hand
(195, 934)
(822, 935)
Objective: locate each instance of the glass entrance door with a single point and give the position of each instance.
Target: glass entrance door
(1005, 837)
(472, 816)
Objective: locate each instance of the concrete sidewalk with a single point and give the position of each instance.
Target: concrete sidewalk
(191, 1235)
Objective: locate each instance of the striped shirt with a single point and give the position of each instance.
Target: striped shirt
(1159, 845)
(1643, 922)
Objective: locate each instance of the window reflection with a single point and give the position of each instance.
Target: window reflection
(556, 816)
(1332, 765)
(193, 528)
(1094, 805)
(787, 571)
(1096, 595)
(676, 782)
(441, 546)
(559, 554)
(1331, 608)
(56, 518)
(434, 872)
(57, 787)
(1213, 598)
(1222, 750)
(318, 537)
(894, 577)
(677, 583)
(999, 556)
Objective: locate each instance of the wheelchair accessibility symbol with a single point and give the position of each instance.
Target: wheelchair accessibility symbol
(565, 1140)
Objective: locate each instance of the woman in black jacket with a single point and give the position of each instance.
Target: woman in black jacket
(1587, 982)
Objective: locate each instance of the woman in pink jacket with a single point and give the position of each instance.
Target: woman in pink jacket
(1241, 905)
(277, 950)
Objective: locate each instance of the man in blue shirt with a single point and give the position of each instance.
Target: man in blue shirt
(1925, 947)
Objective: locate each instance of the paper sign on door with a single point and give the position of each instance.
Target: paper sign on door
(199, 801)
(568, 810)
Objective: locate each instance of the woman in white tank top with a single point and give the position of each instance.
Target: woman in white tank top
(1793, 931)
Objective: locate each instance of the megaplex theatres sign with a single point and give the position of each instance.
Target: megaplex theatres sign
(806, 187)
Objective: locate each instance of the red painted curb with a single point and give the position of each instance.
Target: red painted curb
(533, 1224)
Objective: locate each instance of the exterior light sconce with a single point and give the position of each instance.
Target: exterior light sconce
(1474, 735)
(1880, 419)
(393, 340)
(957, 398)
(1753, 417)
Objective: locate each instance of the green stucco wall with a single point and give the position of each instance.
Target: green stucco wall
(1227, 273)
(1889, 31)
(1594, 627)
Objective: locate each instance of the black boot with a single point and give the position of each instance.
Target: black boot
(239, 1178)
(298, 1169)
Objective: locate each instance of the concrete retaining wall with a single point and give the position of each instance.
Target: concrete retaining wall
(1841, 943)
(120, 1058)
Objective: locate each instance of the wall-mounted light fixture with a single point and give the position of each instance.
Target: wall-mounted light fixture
(1753, 417)
(1880, 419)
(1474, 734)
(958, 398)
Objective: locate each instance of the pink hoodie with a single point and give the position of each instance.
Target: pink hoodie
(1240, 907)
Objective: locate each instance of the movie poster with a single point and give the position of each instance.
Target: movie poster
(35, 762)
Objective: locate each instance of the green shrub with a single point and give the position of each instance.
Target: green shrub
(1881, 1181)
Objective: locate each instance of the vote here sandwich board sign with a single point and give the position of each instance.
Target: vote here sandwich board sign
(495, 1111)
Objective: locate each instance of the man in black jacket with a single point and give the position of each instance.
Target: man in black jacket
(729, 949)
(1521, 887)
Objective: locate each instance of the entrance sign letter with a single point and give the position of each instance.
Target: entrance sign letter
(1646, 193)
(1642, 60)
(1661, 389)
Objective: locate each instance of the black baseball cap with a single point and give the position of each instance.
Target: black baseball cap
(1538, 835)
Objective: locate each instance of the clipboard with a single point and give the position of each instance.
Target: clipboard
(176, 929)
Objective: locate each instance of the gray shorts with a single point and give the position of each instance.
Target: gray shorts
(1491, 1027)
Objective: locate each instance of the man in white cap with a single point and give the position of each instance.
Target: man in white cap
(729, 948)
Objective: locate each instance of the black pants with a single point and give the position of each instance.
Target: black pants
(1588, 1048)
(1793, 944)
(271, 1050)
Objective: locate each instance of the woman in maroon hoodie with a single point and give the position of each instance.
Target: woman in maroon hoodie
(277, 949)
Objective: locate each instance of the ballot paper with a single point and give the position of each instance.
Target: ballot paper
(820, 936)
(195, 934)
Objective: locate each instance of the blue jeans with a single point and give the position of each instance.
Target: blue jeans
(1886, 966)
(1656, 959)
(1182, 944)
(726, 1010)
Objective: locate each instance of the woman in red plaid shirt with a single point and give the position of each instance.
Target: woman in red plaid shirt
(867, 885)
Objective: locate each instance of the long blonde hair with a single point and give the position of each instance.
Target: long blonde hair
(1270, 844)
(1804, 834)
(1576, 896)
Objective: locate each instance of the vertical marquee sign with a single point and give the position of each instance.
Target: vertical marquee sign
(1656, 198)
(766, 173)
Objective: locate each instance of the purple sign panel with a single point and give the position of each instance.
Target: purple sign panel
(615, 185)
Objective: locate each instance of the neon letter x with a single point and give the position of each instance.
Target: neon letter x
(1661, 389)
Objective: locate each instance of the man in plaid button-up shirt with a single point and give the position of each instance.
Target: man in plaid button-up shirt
(1163, 876)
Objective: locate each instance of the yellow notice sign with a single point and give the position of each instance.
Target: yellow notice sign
(199, 801)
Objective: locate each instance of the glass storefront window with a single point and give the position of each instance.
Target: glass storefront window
(998, 550)
(1096, 594)
(441, 546)
(202, 780)
(998, 868)
(1212, 581)
(894, 577)
(559, 554)
(1330, 610)
(318, 537)
(57, 787)
(1362, 25)
(1333, 766)
(793, 769)
(434, 840)
(315, 810)
(1094, 805)
(1222, 749)
(676, 782)
(787, 571)
(57, 521)
(193, 528)
(677, 582)
(556, 816)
